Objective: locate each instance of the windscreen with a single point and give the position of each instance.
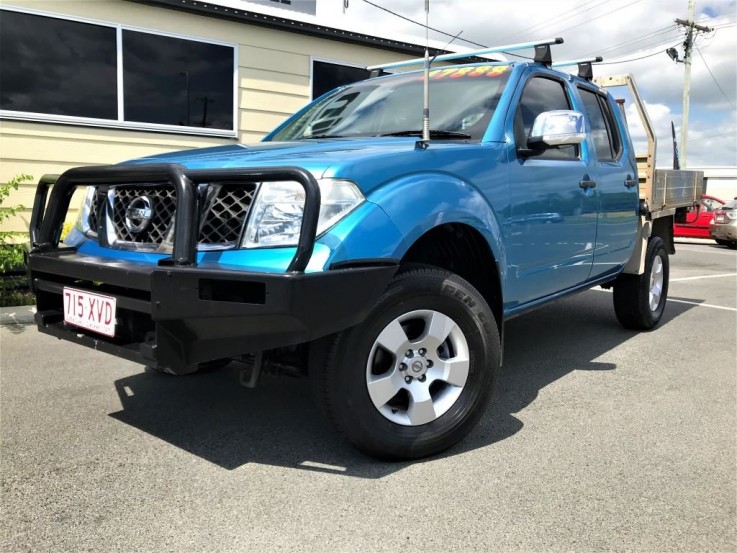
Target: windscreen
(462, 101)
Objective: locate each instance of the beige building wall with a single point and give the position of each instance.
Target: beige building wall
(274, 80)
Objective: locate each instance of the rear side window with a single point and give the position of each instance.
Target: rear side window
(541, 94)
(604, 130)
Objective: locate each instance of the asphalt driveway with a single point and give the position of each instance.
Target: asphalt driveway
(598, 438)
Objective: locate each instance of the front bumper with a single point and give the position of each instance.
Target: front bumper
(176, 317)
(177, 314)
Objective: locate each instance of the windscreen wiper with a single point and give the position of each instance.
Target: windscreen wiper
(433, 133)
(314, 136)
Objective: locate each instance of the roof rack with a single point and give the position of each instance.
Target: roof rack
(542, 54)
(585, 71)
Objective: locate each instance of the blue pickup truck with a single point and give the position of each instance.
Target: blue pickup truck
(352, 249)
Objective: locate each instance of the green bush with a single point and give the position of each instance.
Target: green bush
(13, 287)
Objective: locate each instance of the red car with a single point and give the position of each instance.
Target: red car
(697, 222)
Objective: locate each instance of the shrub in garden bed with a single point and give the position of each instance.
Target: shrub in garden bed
(13, 284)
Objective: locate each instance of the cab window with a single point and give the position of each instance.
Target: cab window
(541, 94)
(604, 131)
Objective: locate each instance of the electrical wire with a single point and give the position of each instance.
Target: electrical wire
(647, 39)
(637, 59)
(405, 18)
(538, 27)
(387, 10)
(577, 11)
(729, 101)
(598, 17)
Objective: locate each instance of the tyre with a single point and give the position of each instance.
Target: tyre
(639, 300)
(415, 377)
(721, 242)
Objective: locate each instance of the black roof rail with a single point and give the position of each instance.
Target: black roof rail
(585, 69)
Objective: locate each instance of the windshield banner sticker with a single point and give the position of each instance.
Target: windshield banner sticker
(478, 71)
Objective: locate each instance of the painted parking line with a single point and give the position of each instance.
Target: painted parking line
(703, 249)
(697, 304)
(703, 276)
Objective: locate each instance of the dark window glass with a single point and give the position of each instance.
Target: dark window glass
(614, 135)
(541, 94)
(601, 125)
(172, 81)
(327, 76)
(56, 66)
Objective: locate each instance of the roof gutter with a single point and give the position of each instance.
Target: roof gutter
(289, 25)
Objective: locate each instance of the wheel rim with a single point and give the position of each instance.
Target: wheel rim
(418, 367)
(656, 283)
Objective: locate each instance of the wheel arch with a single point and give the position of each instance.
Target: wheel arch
(461, 249)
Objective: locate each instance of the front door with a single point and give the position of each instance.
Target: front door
(552, 224)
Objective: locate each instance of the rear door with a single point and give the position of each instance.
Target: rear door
(616, 183)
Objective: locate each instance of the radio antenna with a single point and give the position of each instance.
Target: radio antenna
(426, 92)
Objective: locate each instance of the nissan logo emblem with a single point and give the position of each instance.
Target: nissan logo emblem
(139, 213)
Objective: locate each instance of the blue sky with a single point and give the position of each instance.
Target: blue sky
(634, 32)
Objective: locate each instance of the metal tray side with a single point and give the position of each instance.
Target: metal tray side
(676, 188)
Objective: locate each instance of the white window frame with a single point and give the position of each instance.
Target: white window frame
(120, 123)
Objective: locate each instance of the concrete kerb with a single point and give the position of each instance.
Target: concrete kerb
(17, 315)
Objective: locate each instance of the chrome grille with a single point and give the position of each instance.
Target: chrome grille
(164, 206)
(226, 214)
(223, 215)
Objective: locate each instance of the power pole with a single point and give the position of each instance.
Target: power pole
(687, 49)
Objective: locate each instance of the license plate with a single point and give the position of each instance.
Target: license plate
(94, 312)
(719, 218)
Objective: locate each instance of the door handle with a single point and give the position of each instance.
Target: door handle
(629, 183)
(587, 184)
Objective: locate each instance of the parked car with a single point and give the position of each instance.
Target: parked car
(723, 227)
(697, 222)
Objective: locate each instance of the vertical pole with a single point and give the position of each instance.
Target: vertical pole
(426, 98)
(687, 48)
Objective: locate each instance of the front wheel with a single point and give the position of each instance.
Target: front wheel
(639, 300)
(414, 378)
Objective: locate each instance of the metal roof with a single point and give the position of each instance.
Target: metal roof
(290, 25)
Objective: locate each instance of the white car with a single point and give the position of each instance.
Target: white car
(723, 227)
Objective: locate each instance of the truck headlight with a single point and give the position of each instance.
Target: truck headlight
(276, 214)
(83, 217)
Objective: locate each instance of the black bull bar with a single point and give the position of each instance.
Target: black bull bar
(180, 313)
(47, 220)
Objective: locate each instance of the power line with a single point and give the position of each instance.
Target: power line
(387, 10)
(637, 59)
(598, 16)
(647, 39)
(559, 18)
(715, 80)
(400, 16)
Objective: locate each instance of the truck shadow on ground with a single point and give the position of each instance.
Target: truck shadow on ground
(211, 416)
